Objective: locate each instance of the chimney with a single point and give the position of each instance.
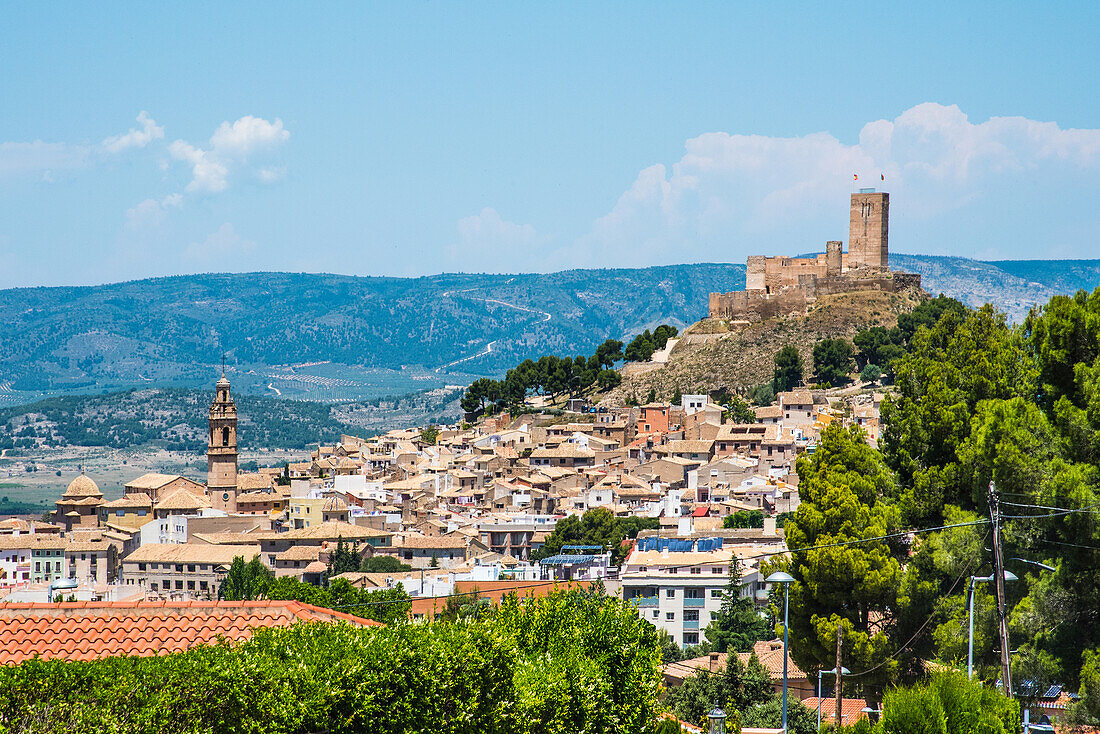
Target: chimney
(714, 662)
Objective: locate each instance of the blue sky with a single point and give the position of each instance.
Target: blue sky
(414, 138)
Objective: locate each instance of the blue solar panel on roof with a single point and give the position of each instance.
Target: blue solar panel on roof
(1053, 692)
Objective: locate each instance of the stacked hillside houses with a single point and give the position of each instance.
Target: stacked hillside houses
(475, 505)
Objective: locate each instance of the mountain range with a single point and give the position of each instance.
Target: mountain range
(335, 337)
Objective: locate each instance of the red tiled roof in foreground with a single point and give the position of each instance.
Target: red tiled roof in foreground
(851, 709)
(92, 630)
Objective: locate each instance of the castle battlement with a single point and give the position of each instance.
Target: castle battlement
(778, 285)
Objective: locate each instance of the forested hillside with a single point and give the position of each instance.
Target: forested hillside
(337, 338)
(977, 401)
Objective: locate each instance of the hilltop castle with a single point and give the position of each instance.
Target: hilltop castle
(779, 285)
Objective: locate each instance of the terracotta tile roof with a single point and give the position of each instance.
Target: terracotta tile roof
(331, 530)
(851, 709)
(299, 553)
(190, 553)
(92, 630)
(182, 499)
(247, 482)
(32, 541)
(770, 654)
(152, 481)
(259, 495)
(137, 500)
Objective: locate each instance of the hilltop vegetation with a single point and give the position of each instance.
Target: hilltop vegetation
(717, 357)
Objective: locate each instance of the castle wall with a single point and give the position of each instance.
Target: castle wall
(779, 285)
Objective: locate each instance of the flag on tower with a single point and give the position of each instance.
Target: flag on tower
(855, 176)
(883, 176)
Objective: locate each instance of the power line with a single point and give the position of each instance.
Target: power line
(1061, 512)
(907, 643)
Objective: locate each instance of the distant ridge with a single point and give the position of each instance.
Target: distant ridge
(171, 330)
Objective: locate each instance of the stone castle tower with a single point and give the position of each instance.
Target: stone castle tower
(868, 230)
(221, 454)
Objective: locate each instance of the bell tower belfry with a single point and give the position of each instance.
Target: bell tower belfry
(221, 453)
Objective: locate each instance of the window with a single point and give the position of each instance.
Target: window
(38, 569)
(716, 569)
(120, 513)
(670, 616)
(715, 593)
(191, 585)
(696, 569)
(179, 568)
(691, 638)
(179, 585)
(225, 436)
(191, 567)
(656, 614)
(142, 513)
(693, 593)
(692, 615)
(673, 569)
(141, 566)
(670, 593)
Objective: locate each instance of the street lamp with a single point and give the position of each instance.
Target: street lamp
(781, 577)
(843, 671)
(60, 585)
(1009, 576)
(717, 718)
(1043, 566)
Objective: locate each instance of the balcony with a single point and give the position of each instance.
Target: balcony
(695, 603)
(644, 601)
(691, 624)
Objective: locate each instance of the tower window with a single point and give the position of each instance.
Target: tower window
(225, 436)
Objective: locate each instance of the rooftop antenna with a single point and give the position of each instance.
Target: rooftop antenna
(223, 364)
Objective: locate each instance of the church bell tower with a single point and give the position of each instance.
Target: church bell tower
(221, 454)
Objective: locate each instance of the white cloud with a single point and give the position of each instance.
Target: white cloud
(220, 247)
(151, 212)
(231, 147)
(149, 132)
(487, 229)
(247, 135)
(40, 160)
(730, 187)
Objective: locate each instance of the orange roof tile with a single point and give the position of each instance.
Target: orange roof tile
(851, 709)
(93, 630)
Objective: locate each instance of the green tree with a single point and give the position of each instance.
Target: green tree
(738, 411)
(878, 345)
(343, 559)
(608, 379)
(383, 564)
(833, 361)
(245, 581)
(870, 373)
(744, 519)
(738, 625)
(853, 586)
(788, 369)
(429, 435)
(950, 368)
(640, 348)
(948, 704)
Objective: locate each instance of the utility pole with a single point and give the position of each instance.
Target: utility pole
(839, 641)
(999, 585)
